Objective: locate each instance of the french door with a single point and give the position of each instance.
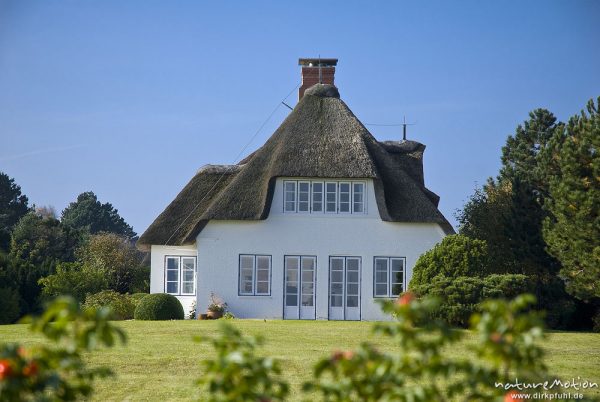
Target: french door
(299, 295)
(344, 288)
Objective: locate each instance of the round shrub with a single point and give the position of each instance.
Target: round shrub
(137, 297)
(9, 305)
(455, 256)
(121, 305)
(159, 306)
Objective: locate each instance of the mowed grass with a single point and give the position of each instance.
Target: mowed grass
(161, 362)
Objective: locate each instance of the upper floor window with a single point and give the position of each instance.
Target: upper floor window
(388, 276)
(180, 275)
(332, 197)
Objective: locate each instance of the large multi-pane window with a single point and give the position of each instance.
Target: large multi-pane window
(255, 275)
(388, 276)
(332, 197)
(180, 275)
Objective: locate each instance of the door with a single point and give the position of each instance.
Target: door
(344, 288)
(299, 295)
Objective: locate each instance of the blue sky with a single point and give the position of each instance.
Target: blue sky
(129, 99)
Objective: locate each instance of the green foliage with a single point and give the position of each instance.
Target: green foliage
(57, 371)
(137, 297)
(120, 305)
(237, 373)
(508, 334)
(13, 206)
(455, 256)
(75, 279)
(38, 244)
(460, 297)
(117, 257)
(572, 231)
(9, 305)
(91, 215)
(418, 371)
(159, 306)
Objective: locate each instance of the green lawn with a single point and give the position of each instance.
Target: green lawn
(160, 361)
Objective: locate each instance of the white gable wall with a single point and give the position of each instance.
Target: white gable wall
(322, 235)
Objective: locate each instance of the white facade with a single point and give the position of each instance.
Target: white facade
(314, 239)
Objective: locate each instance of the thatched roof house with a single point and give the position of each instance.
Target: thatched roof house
(320, 138)
(317, 223)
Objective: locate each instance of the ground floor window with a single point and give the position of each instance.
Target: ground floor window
(388, 276)
(254, 275)
(180, 275)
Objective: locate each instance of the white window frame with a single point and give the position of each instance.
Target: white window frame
(339, 197)
(335, 193)
(294, 204)
(363, 203)
(180, 281)
(389, 283)
(308, 194)
(286, 201)
(312, 196)
(255, 280)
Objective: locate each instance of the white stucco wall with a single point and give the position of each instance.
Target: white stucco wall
(157, 270)
(323, 235)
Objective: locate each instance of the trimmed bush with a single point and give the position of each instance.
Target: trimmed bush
(461, 296)
(9, 305)
(159, 306)
(455, 256)
(121, 305)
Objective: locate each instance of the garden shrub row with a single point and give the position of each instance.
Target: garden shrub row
(461, 296)
(141, 306)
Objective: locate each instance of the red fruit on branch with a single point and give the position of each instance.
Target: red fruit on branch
(405, 299)
(5, 369)
(30, 370)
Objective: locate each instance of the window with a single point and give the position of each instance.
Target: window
(388, 276)
(344, 206)
(332, 197)
(255, 275)
(317, 197)
(303, 196)
(180, 275)
(358, 200)
(289, 203)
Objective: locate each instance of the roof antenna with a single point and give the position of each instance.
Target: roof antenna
(404, 124)
(320, 72)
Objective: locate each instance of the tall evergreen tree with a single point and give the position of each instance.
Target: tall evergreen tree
(13, 205)
(572, 229)
(90, 214)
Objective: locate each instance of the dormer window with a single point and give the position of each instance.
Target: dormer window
(330, 197)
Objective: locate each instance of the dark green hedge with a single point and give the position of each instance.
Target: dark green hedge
(159, 306)
(460, 297)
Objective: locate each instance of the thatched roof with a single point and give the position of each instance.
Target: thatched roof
(320, 138)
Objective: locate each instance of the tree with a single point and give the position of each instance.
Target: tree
(73, 279)
(572, 229)
(38, 244)
(13, 205)
(118, 258)
(89, 214)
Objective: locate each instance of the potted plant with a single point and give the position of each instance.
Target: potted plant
(216, 307)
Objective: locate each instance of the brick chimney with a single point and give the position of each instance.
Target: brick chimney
(312, 74)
